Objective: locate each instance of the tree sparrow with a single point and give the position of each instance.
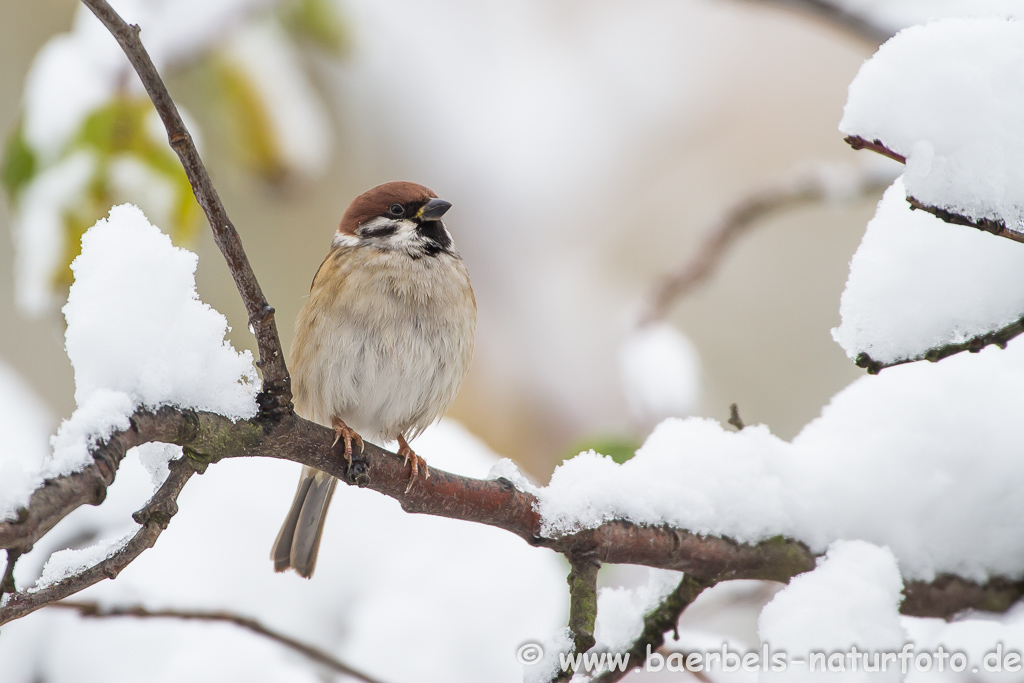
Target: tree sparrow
(381, 345)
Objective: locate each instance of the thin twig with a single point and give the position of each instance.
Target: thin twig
(805, 186)
(657, 623)
(734, 417)
(276, 382)
(153, 519)
(875, 146)
(990, 225)
(853, 24)
(95, 610)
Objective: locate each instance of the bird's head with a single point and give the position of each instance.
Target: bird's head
(398, 216)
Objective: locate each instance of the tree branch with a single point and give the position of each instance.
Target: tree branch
(57, 498)
(994, 226)
(94, 610)
(207, 438)
(276, 382)
(277, 432)
(582, 582)
(153, 518)
(806, 186)
(657, 623)
(998, 337)
(850, 23)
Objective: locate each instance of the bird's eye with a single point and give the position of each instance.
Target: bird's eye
(396, 210)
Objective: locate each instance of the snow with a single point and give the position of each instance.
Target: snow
(455, 600)
(661, 372)
(621, 610)
(37, 228)
(917, 282)
(138, 335)
(544, 668)
(852, 597)
(25, 423)
(64, 85)
(155, 457)
(71, 561)
(919, 95)
(939, 492)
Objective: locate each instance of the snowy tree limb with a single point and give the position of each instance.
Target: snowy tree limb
(207, 438)
(996, 227)
(657, 623)
(276, 382)
(835, 15)
(94, 610)
(59, 497)
(998, 337)
(153, 519)
(806, 186)
(277, 432)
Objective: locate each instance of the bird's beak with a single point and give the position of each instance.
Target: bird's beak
(433, 210)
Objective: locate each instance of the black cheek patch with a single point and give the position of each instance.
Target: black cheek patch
(385, 230)
(436, 235)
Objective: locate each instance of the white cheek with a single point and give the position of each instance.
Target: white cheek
(344, 240)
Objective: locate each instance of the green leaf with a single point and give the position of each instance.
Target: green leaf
(19, 164)
(320, 22)
(114, 130)
(248, 120)
(618, 448)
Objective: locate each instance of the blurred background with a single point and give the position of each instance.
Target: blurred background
(588, 148)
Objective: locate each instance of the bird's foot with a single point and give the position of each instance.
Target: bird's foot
(343, 432)
(414, 460)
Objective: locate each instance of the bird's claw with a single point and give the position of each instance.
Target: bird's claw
(343, 432)
(416, 462)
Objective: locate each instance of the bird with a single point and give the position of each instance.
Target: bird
(381, 344)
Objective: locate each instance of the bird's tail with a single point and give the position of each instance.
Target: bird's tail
(298, 541)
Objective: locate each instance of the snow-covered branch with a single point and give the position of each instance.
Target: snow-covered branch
(207, 438)
(994, 226)
(152, 520)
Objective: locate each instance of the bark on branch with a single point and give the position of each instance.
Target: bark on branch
(277, 432)
(207, 438)
(276, 383)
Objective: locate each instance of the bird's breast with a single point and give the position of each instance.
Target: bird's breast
(383, 341)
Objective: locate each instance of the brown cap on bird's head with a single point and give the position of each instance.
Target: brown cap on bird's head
(377, 200)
